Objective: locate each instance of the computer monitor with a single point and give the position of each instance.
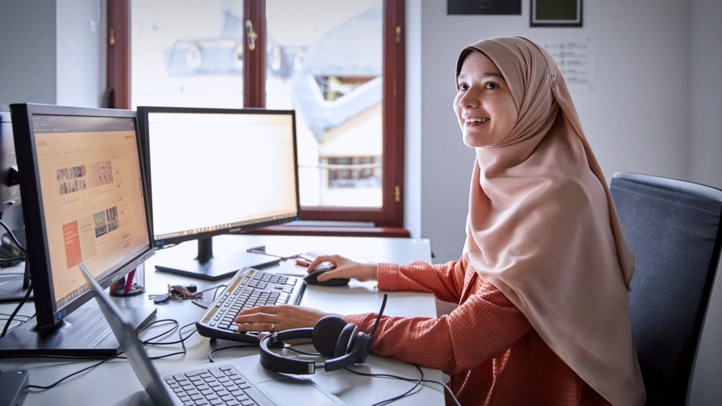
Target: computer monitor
(217, 171)
(83, 190)
(13, 285)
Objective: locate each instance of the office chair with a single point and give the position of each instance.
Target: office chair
(673, 229)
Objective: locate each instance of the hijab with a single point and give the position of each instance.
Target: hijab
(543, 229)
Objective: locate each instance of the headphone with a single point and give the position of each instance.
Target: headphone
(331, 336)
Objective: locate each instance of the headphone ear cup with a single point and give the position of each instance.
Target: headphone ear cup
(345, 340)
(362, 347)
(326, 333)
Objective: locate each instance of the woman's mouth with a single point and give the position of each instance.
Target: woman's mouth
(473, 122)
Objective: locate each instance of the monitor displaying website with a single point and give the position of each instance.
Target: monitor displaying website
(92, 197)
(214, 171)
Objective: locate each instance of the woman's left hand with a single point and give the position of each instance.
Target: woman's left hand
(277, 318)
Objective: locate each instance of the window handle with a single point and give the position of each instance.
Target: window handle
(250, 35)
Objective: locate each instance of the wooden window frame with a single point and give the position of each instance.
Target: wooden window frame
(387, 220)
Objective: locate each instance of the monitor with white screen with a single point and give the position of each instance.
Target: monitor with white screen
(83, 190)
(217, 171)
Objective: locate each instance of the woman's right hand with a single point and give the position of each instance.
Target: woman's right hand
(345, 268)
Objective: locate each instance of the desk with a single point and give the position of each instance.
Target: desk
(114, 383)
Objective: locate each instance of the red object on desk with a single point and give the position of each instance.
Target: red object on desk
(129, 281)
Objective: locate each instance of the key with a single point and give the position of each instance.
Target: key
(158, 299)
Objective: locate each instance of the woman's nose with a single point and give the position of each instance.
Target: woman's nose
(468, 100)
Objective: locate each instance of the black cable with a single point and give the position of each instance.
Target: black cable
(19, 322)
(17, 309)
(180, 337)
(418, 381)
(13, 259)
(416, 385)
(422, 380)
(42, 388)
(302, 352)
(17, 315)
(120, 355)
(155, 322)
(213, 351)
(12, 235)
(214, 295)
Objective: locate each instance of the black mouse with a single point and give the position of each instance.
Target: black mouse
(312, 278)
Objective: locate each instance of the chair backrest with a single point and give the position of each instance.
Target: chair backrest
(673, 229)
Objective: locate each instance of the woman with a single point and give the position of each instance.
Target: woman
(542, 285)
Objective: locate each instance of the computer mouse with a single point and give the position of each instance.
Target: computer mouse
(312, 278)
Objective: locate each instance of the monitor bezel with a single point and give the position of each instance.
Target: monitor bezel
(144, 111)
(48, 315)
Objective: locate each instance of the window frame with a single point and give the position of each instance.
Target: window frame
(388, 219)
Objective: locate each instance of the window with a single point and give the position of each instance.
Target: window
(339, 64)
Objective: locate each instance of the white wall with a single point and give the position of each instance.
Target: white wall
(50, 53)
(81, 50)
(27, 59)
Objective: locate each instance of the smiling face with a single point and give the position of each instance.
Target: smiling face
(483, 103)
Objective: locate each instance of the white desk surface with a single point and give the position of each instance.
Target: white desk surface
(114, 383)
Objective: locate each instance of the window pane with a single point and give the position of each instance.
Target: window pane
(325, 59)
(187, 53)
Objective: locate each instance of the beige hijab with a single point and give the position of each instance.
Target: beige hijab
(543, 229)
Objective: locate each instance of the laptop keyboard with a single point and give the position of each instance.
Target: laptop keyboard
(248, 288)
(222, 385)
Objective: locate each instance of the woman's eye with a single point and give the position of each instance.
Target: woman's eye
(491, 85)
(463, 86)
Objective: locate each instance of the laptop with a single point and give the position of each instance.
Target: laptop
(242, 381)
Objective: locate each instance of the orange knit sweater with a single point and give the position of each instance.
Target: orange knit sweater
(486, 345)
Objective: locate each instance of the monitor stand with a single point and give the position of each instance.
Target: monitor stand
(84, 333)
(180, 260)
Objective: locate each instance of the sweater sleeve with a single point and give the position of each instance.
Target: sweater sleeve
(483, 327)
(445, 281)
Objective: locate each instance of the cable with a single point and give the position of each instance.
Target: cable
(302, 352)
(120, 355)
(42, 388)
(210, 354)
(149, 341)
(17, 309)
(181, 339)
(17, 315)
(12, 235)
(13, 259)
(14, 323)
(418, 382)
(214, 295)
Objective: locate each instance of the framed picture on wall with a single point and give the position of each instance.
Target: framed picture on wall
(494, 7)
(556, 13)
